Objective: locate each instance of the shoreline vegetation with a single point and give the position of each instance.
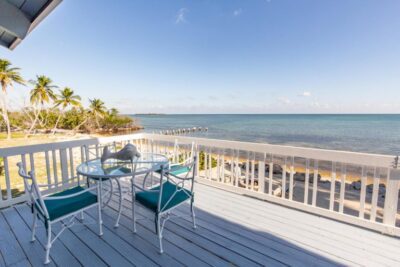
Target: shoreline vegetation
(53, 110)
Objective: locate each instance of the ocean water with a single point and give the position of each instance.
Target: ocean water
(359, 133)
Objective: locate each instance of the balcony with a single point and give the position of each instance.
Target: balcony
(317, 219)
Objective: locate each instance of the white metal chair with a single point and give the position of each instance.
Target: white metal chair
(171, 192)
(60, 206)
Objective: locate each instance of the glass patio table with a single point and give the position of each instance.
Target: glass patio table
(113, 170)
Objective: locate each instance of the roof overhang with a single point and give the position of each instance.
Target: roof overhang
(19, 17)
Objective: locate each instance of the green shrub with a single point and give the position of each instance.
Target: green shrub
(202, 161)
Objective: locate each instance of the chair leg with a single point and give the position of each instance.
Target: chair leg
(34, 226)
(48, 245)
(110, 193)
(193, 214)
(159, 233)
(99, 204)
(120, 203)
(133, 207)
(100, 219)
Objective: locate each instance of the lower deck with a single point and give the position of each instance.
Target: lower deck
(232, 230)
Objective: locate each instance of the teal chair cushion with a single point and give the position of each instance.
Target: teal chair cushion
(149, 199)
(61, 207)
(176, 169)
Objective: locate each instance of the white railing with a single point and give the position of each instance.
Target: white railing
(312, 180)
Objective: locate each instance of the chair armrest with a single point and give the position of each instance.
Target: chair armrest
(55, 184)
(181, 178)
(145, 189)
(185, 162)
(70, 196)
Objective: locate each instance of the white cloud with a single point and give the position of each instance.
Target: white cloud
(237, 12)
(181, 16)
(305, 94)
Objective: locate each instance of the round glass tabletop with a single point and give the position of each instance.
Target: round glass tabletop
(113, 168)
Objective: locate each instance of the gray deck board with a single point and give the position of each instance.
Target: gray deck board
(23, 263)
(81, 252)
(2, 262)
(263, 248)
(11, 250)
(275, 247)
(108, 253)
(235, 253)
(137, 241)
(23, 235)
(232, 230)
(128, 251)
(61, 256)
(146, 228)
(339, 244)
(314, 225)
(150, 226)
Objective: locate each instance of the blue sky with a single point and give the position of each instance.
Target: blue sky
(258, 56)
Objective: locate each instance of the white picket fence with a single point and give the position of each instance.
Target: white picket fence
(252, 169)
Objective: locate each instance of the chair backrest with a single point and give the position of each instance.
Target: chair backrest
(32, 187)
(91, 152)
(177, 152)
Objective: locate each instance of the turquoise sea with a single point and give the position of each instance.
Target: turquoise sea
(360, 133)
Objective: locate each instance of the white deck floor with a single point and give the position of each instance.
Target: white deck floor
(232, 230)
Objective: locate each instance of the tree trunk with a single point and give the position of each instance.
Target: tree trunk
(33, 123)
(97, 122)
(55, 126)
(79, 126)
(5, 112)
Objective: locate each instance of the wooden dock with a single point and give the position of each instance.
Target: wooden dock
(232, 230)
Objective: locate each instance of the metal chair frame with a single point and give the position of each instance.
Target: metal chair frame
(162, 214)
(36, 200)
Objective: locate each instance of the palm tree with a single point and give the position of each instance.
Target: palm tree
(8, 76)
(41, 94)
(97, 110)
(64, 99)
(43, 90)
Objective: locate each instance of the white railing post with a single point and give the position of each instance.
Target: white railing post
(261, 175)
(391, 197)
(64, 165)
(363, 192)
(333, 186)
(306, 181)
(270, 174)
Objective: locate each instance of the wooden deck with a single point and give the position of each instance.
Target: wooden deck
(232, 230)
